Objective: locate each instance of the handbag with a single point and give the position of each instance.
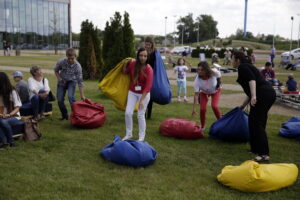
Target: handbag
(51, 97)
(31, 130)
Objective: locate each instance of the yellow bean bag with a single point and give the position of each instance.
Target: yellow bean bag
(115, 85)
(253, 177)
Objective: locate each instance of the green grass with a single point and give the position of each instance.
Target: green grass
(46, 62)
(65, 163)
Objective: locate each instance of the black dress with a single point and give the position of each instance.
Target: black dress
(150, 61)
(266, 96)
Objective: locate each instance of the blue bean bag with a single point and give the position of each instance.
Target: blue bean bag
(233, 126)
(291, 128)
(26, 110)
(161, 91)
(129, 152)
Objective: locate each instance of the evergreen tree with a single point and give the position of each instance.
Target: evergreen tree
(128, 37)
(113, 46)
(89, 51)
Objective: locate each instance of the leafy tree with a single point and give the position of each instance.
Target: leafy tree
(207, 27)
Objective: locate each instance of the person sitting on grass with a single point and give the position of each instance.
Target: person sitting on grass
(293, 66)
(39, 91)
(269, 74)
(291, 84)
(10, 104)
(21, 87)
(181, 70)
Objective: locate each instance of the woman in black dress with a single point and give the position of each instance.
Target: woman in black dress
(261, 96)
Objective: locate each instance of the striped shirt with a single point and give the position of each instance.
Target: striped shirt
(69, 72)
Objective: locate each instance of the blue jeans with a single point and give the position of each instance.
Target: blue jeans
(38, 104)
(61, 92)
(181, 84)
(6, 132)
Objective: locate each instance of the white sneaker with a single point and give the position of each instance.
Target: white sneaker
(141, 140)
(178, 99)
(185, 100)
(126, 137)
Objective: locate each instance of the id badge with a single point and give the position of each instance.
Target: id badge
(138, 88)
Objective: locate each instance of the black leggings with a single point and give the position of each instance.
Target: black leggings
(258, 117)
(149, 109)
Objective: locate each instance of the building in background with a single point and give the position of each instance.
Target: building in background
(35, 24)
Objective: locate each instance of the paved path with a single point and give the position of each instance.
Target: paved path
(24, 69)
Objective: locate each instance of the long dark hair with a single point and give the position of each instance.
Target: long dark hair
(6, 90)
(138, 65)
(238, 55)
(208, 71)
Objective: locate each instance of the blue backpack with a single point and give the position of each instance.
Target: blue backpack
(161, 91)
(233, 126)
(129, 152)
(291, 128)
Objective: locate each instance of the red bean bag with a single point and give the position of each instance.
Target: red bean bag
(181, 128)
(87, 114)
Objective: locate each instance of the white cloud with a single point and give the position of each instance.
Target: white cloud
(148, 17)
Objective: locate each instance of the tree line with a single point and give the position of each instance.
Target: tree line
(100, 51)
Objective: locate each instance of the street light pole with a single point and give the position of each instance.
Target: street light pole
(166, 31)
(174, 29)
(182, 35)
(298, 31)
(292, 18)
(198, 35)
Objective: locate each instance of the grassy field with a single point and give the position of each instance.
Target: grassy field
(65, 164)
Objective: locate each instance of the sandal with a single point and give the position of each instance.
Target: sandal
(261, 158)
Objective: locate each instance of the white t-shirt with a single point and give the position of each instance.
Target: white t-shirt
(38, 85)
(181, 75)
(207, 86)
(14, 97)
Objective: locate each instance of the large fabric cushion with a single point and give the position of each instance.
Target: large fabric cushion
(181, 128)
(129, 152)
(253, 177)
(87, 114)
(115, 85)
(26, 109)
(291, 128)
(161, 91)
(18, 127)
(233, 126)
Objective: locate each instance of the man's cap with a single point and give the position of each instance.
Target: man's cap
(17, 74)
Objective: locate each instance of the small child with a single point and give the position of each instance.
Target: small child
(291, 84)
(181, 70)
(21, 87)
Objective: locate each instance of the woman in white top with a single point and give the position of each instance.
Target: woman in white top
(206, 84)
(10, 104)
(39, 90)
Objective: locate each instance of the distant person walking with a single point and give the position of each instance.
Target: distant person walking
(6, 48)
(261, 96)
(69, 73)
(272, 55)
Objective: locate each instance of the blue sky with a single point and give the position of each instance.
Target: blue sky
(148, 16)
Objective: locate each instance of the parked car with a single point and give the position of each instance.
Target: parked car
(295, 54)
(164, 50)
(180, 49)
